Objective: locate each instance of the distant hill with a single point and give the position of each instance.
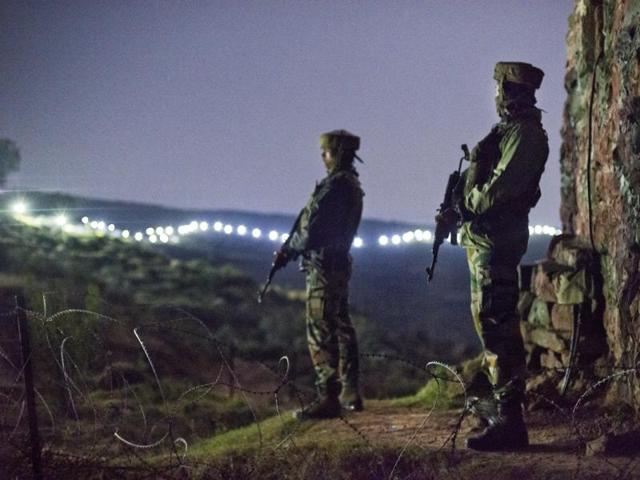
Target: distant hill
(389, 284)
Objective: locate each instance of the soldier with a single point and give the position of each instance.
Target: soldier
(323, 236)
(495, 195)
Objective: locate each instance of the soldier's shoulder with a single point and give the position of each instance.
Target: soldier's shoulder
(526, 128)
(345, 178)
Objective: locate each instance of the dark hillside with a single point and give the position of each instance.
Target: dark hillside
(389, 284)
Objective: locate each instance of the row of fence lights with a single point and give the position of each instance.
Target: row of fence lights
(170, 234)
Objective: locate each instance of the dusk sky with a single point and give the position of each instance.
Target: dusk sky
(219, 104)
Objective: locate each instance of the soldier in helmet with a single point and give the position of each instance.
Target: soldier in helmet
(495, 195)
(322, 237)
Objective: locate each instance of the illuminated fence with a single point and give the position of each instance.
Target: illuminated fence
(173, 234)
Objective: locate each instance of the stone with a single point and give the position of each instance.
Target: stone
(610, 209)
(524, 331)
(548, 339)
(597, 446)
(525, 301)
(543, 284)
(550, 361)
(562, 319)
(565, 357)
(611, 443)
(539, 314)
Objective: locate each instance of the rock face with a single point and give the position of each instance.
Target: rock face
(601, 195)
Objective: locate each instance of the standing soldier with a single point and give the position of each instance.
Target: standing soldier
(323, 235)
(495, 196)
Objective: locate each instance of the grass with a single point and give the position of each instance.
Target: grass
(444, 391)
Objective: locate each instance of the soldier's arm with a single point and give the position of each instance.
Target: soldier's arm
(523, 152)
(320, 221)
(295, 245)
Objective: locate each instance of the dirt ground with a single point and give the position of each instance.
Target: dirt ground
(556, 448)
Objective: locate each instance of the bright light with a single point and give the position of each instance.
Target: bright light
(408, 237)
(168, 230)
(61, 220)
(242, 230)
(164, 238)
(383, 240)
(102, 226)
(427, 235)
(149, 231)
(418, 235)
(85, 220)
(284, 237)
(184, 229)
(256, 233)
(396, 239)
(204, 226)
(159, 230)
(558, 231)
(125, 234)
(19, 207)
(193, 225)
(111, 227)
(138, 236)
(531, 230)
(228, 229)
(273, 235)
(153, 238)
(357, 242)
(538, 229)
(94, 224)
(218, 226)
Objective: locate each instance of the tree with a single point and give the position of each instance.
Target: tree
(9, 159)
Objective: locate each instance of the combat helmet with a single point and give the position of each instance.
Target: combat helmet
(339, 140)
(518, 72)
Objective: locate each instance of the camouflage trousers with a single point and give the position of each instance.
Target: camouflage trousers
(494, 299)
(330, 334)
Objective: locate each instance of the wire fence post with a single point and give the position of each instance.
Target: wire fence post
(25, 344)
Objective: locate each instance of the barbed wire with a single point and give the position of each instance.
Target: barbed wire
(160, 432)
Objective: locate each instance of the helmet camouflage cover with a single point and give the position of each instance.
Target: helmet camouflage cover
(518, 72)
(337, 139)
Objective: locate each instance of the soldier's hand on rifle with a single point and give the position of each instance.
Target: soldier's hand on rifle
(448, 218)
(280, 260)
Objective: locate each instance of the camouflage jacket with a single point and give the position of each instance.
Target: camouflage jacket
(502, 183)
(328, 222)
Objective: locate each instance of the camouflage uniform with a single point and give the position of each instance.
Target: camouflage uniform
(498, 190)
(501, 185)
(323, 236)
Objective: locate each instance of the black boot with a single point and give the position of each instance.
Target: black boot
(485, 411)
(505, 431)
(350, 399)
(324, 406)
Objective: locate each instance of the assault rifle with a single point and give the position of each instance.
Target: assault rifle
(444, 228)
(274, 267)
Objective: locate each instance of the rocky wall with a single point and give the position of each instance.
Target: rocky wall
(601, 195)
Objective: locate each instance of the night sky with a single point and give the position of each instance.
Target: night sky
(219, 104)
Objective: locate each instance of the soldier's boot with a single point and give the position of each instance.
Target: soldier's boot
(326, 405)
(485, 410)
(322, 407)
(505, 431)
(350, 398)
